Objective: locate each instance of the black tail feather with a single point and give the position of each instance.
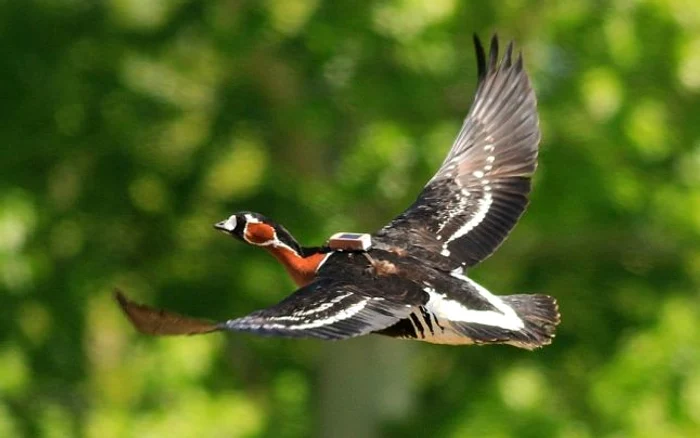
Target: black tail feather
(541, 316)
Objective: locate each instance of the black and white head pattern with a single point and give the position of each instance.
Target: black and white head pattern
(256, 229)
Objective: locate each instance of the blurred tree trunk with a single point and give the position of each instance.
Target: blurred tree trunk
(364, 381)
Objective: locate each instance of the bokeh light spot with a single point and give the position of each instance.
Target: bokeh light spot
(238, 171)
(646, 127)
(602, 93)
(149, 194)
(405, 19)
(289, 16)
(522, 388)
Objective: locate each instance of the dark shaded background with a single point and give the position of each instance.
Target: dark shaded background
(128, 127)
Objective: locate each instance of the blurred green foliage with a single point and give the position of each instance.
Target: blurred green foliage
(129, 127)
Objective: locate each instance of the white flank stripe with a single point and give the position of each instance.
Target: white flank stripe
(507, 318)
(452, 310)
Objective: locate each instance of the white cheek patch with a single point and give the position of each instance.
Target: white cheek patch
(230, 223)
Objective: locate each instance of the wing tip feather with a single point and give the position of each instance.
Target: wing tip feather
(157, 322)
(480, 58)
(493, 65)
(507, 58)
(493, 52)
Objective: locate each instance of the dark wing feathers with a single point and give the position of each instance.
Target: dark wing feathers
(482, 187)
(324, 309)
(480, 59)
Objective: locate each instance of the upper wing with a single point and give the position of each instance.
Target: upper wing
(324, 309)
(481, 189)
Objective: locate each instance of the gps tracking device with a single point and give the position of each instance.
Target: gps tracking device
(350, 242)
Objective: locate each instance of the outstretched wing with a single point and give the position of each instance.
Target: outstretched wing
(324, 309)
(476, 197)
